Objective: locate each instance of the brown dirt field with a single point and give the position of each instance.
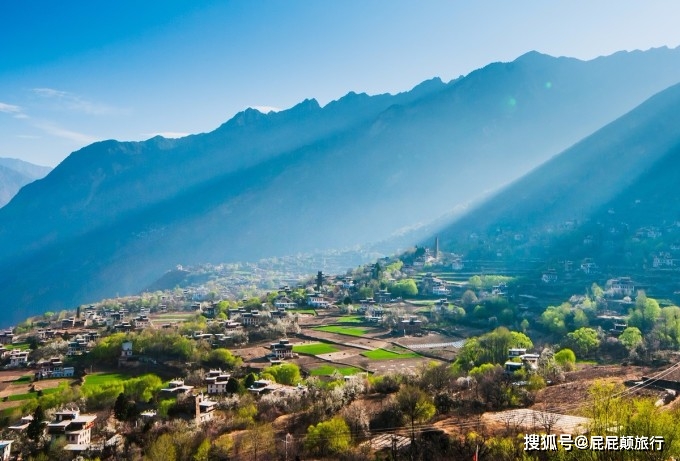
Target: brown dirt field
(426, 339)
(572, 395)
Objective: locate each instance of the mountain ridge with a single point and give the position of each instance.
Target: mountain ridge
(115, 215)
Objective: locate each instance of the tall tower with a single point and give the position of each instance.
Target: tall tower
(436, 248)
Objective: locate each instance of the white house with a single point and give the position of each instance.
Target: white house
(73, 427)
(5, 449)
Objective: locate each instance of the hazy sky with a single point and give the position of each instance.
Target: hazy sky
(75, 72)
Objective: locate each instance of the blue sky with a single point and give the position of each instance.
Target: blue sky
(75, 72)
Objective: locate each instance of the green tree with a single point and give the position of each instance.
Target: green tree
(249, 380)
(404, 288)
(162, 449)
(565, 358)
(580, 318)
(203, 451)
(475, 282)
(286, 373)
(584, 341)
(416, 405)
(120, 407)
(234, 386)
(142, 389)
(34, 431)
(224, 358)
(328, 438)
(669, 328)
(469, 298)
(645, 314)
(554, 318)
(108, 349)
(631, 338)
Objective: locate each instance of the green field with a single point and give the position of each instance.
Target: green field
(315, 349)
(19, 346)
(421, 302)
(23, 380)
(350, 331)
(103, 378)
(327, 370)
(382, 354)
(32, 395)
(352, 319)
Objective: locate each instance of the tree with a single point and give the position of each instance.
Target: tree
(259, 441)
(404, 288)
(141, 389)
(203, 451)
(319, 280)
(554, 318)
(469, 298)
(120, 408)
(357, 419)
(249, 380)
(584, 341)
(416, 406)
(631, 338)
(286, 373)
(565, 358)
(34, 431)
(162, 449)
(328, 438)
(645, 314)
(475, 282)
(224, 358)
(669, 330)
(234, 386)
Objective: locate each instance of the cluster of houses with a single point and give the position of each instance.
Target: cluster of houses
(518, 359)
(69, 425)
(53, 368)
(432, 285)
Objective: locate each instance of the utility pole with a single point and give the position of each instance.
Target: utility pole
(286, 441)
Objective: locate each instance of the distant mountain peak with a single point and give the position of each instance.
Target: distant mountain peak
(308, 105)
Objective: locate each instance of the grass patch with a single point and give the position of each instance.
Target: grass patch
(19, 346)
(421, 302)
(382, 354)
(315, 349)
(103, 378)
(32, 395)
(9, 412)
(303, 311)
(327, 370)
(350, 331)
(23, 380)
(352, 319)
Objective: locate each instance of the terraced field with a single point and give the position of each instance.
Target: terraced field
(383, 354)
(327, 370)
(315, 349)
(350, 331)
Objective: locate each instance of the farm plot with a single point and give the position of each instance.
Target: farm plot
(383, 354)
(349, 331)
(315, 349)
(327, 370)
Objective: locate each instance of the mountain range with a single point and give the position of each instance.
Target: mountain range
(14, 174)
(113, 216)
(610, 199)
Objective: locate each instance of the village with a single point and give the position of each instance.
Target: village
(102, 378)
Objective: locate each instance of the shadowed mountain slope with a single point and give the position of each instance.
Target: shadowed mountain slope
(114, 216)
(610, 198)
